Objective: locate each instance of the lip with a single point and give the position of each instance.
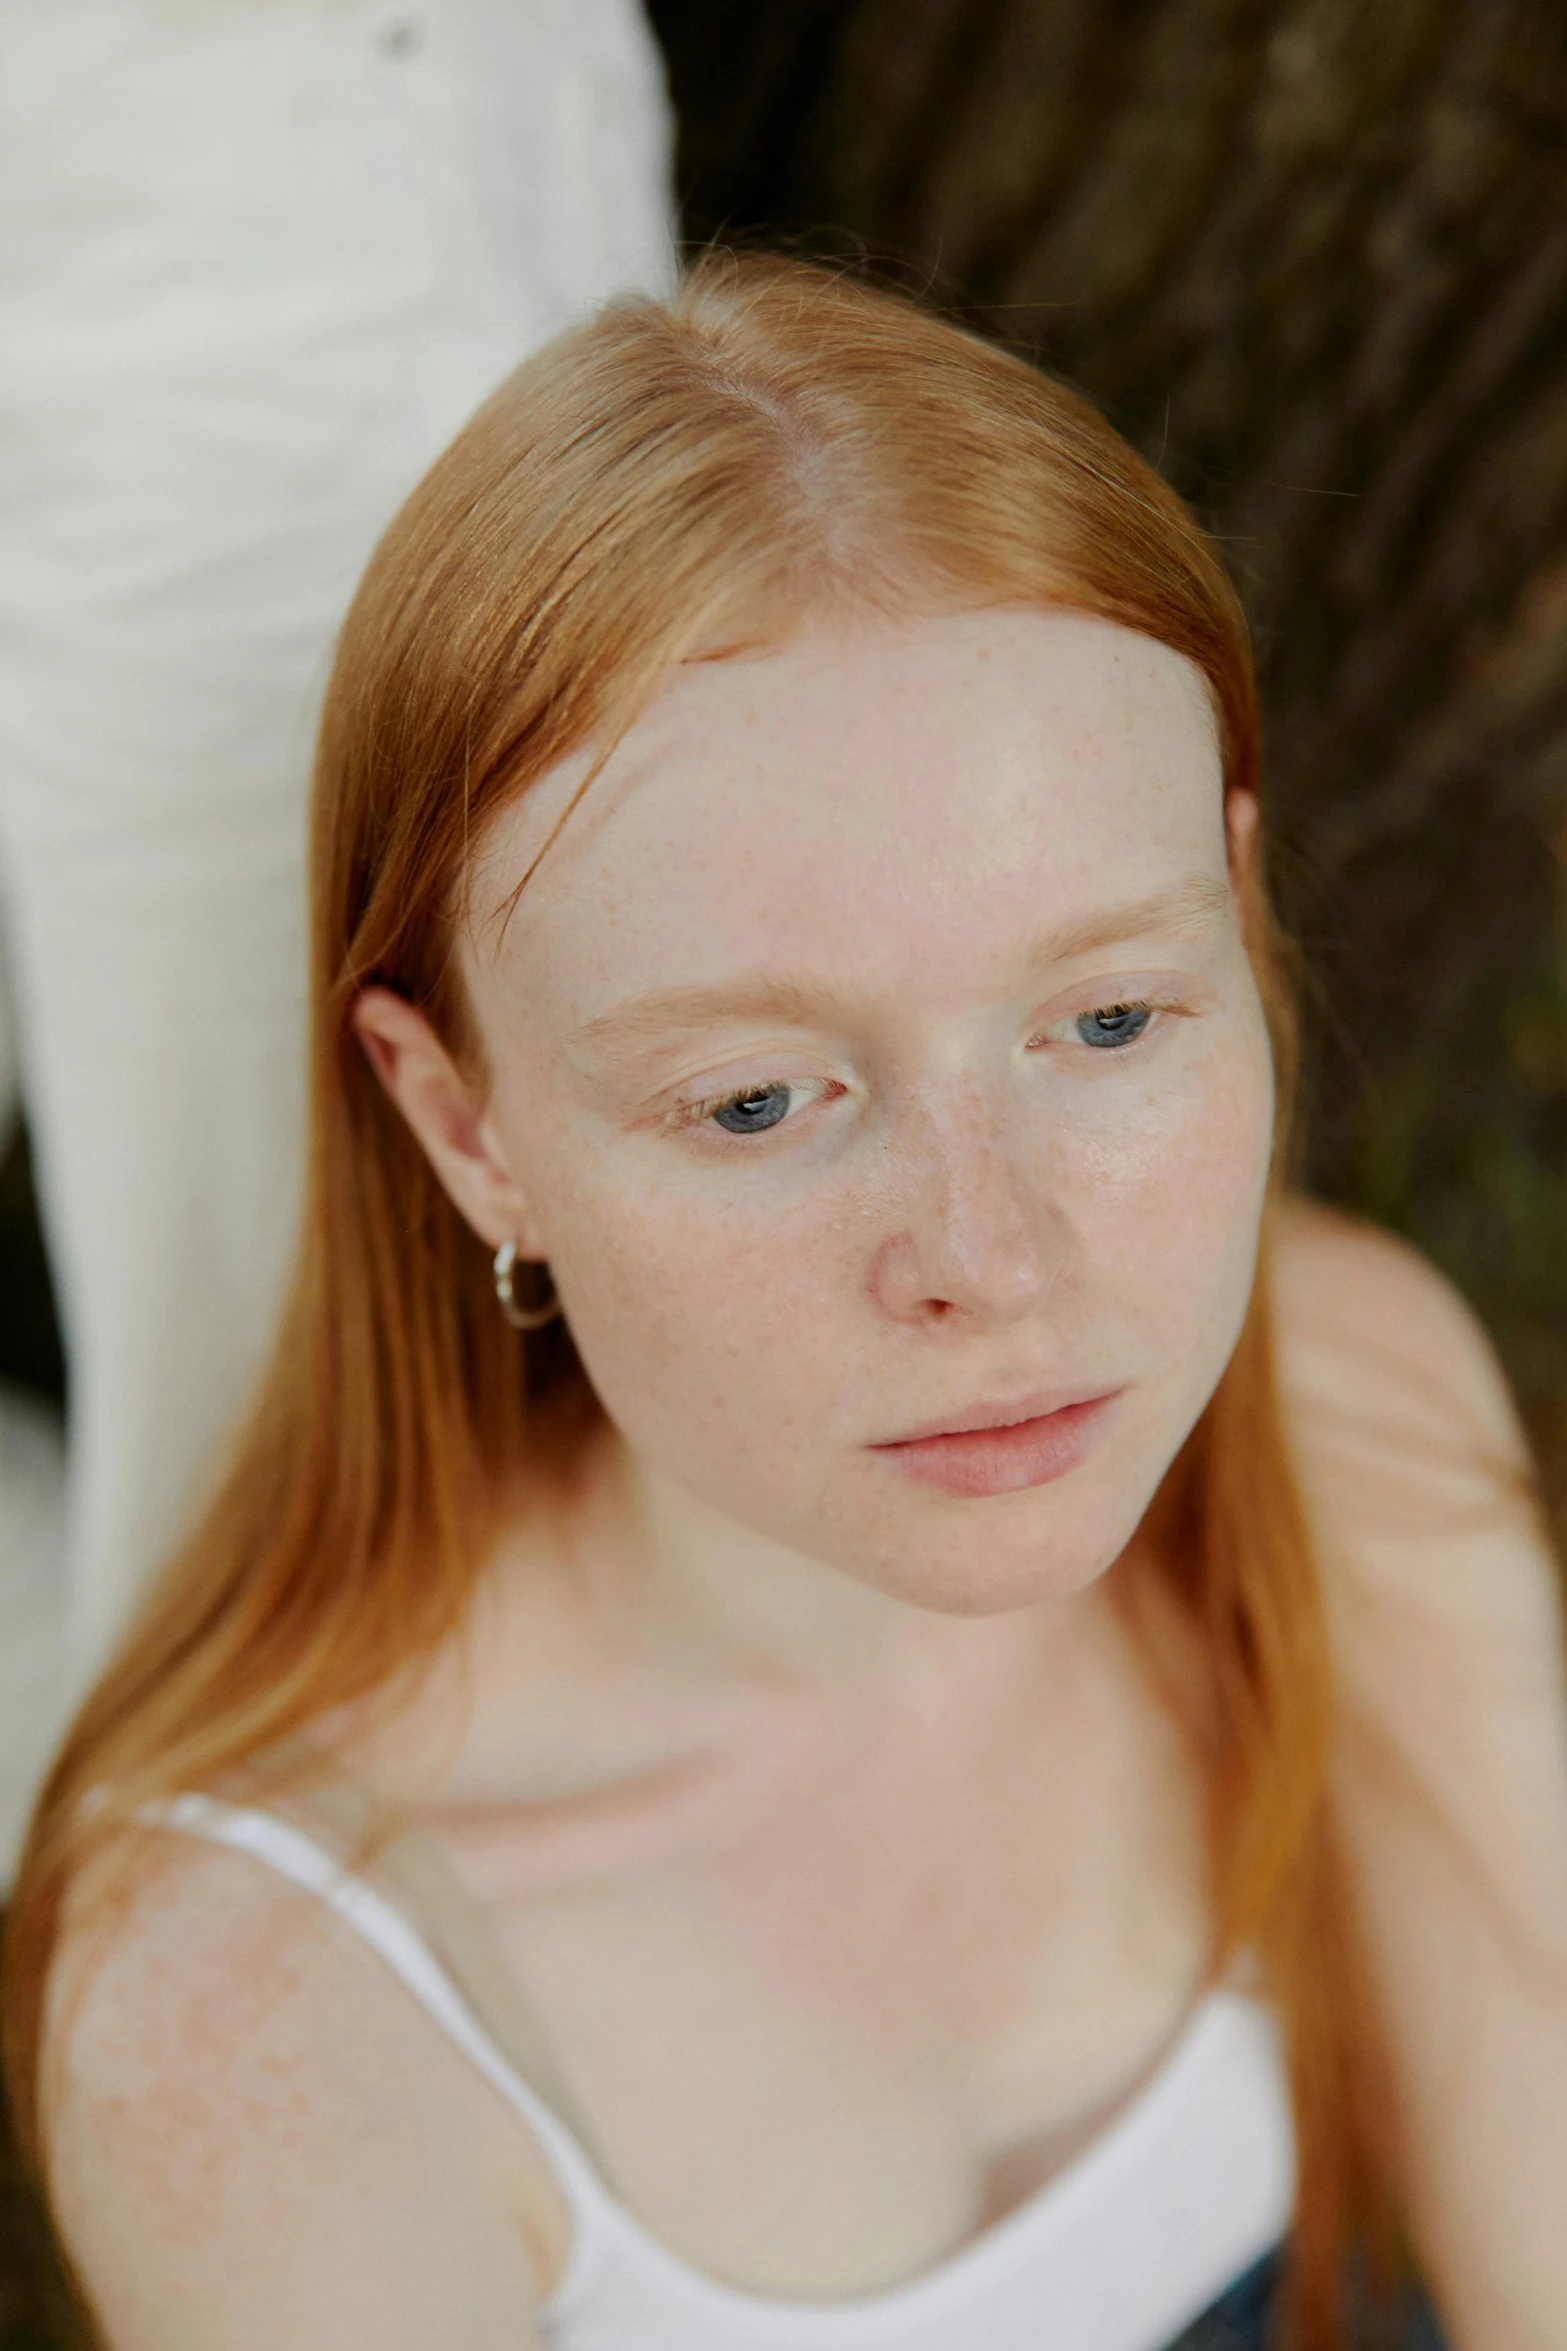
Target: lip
(1004, 1456)
(1002, 1413)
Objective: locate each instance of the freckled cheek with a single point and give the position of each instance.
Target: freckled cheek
(686, 1309)
(1165, 1199)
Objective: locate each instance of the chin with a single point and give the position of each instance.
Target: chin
(1003, 1553)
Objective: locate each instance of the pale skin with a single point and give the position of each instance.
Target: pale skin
(790, 1785)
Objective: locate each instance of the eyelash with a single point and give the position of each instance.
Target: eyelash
(696, 1114)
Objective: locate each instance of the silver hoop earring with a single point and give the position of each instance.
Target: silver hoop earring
(522, 1318)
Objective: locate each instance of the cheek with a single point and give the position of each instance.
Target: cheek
(698, 1325)
(1169, 1195)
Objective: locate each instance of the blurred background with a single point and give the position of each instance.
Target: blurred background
(1311, 257)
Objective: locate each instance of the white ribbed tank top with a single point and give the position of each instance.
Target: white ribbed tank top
(1191, 2184)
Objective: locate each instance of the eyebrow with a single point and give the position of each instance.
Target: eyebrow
(672, 1012)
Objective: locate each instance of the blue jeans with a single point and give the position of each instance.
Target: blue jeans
(1242, 2319)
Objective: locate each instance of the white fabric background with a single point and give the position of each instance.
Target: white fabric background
(258, 260)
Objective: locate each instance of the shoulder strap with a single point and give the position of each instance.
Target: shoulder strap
(286, 1849)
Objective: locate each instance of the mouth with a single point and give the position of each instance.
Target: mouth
(1004, 1448)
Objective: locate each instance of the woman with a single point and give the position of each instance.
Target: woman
(964, 1744)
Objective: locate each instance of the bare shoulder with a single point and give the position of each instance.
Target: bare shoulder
(1443, 1594)
(178, 1960)
(1413, 1464)
(1449, 1759)
(1369, 1329)
(244, 2108)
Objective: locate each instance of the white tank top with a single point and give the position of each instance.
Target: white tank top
(1190, 2185)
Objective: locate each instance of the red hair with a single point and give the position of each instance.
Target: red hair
(673, 478)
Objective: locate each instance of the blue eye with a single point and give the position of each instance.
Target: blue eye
(752, 1112)
(1113, 1024)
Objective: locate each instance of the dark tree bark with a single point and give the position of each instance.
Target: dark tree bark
(1311, 256)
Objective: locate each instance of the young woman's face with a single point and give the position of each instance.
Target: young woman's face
(876, 1053)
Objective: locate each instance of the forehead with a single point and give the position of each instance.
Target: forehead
(858, 797)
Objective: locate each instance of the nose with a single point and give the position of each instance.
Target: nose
(972, 1229)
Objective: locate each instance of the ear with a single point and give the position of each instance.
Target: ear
(449, 1120)
(1242, 815)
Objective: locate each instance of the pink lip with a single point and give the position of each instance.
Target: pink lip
(998, 1413)
(1011, 1447)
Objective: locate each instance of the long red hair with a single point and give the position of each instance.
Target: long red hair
(671, 479)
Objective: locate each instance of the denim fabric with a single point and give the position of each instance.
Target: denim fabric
(1242, 2319)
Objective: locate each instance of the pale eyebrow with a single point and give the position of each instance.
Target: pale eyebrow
(674, 1012)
